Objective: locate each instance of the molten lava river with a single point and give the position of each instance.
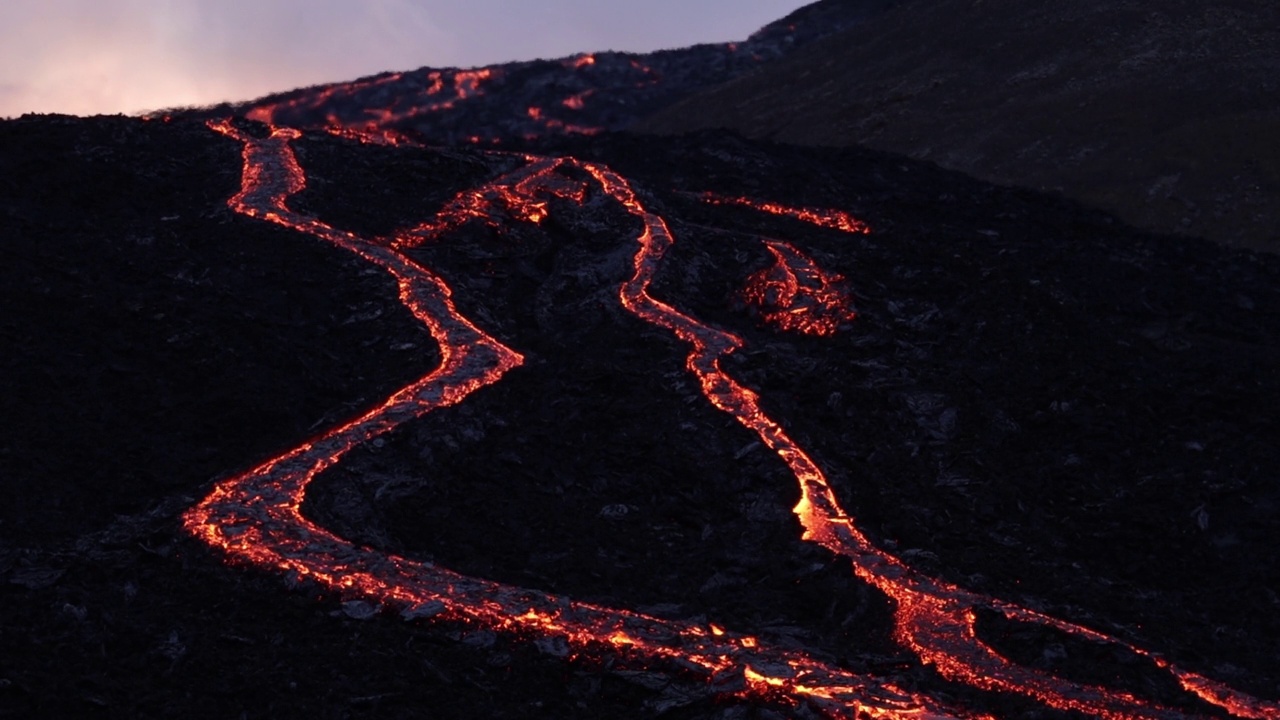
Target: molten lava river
(256, 517)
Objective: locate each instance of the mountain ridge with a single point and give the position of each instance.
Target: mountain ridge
(1161, 112)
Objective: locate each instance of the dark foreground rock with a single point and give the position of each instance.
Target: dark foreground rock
(1034, 402)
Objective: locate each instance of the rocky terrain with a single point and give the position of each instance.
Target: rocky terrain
(1033, 401)
(1055, 426)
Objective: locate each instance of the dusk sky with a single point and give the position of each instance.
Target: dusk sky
(108, 56)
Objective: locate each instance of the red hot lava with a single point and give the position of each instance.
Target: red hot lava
(270, 113)
(797, 295)
(456, 85)
(437, 91)
(560, 126)
(834, 219)
(580, 61)
(466, 84)
(522, 195)
(578, 101)
(256, 516)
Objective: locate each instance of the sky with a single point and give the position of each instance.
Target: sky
(107, 56)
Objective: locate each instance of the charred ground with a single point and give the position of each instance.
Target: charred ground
(1035, 401)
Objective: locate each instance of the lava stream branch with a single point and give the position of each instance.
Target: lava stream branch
(520, 195)
(464, 85)
(256, 517)
(936, 620)
(833, 219)
(797, 295)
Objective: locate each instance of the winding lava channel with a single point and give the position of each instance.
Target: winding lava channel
(256, 516)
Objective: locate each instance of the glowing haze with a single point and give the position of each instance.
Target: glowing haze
(126, 56)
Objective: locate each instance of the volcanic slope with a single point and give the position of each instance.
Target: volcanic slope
(1165, 113)
(580, 95)
(1032, 402)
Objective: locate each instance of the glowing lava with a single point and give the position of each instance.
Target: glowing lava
(834, 219)
(443, 88)
(580, 61)
(577, 101)
(465, 85)
(419, 96)
(320, 98)
(797, 295)
(521, 195)
(256, 516)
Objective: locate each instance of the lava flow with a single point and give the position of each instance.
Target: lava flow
(521, 195)
(834, 219)
(459, 86)
(256, 516)
(797, 295)
(321, 98)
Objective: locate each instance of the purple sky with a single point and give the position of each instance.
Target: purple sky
(105, 56)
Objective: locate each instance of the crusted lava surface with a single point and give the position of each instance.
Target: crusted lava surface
(1033, 401)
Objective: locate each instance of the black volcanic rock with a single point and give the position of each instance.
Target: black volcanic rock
(1035, 401)
(1163, 112)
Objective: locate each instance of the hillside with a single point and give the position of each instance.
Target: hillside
(432, 394)
(1165, 113)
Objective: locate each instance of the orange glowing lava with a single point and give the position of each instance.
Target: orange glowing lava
(269, 113)
(459, 85)
(422, 95)
(834, 219)
(577, 101)
(797, 295)
(549, 123)
(521, 196)
(256, 516)
(466, 85)
(580, 61)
